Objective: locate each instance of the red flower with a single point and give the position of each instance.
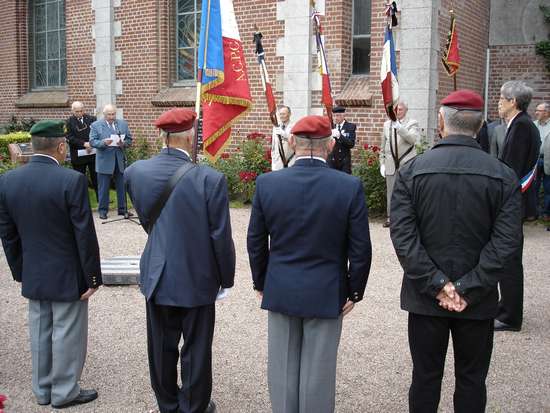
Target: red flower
(370, 162)
(255, 135)
(225, 155)
(247, 176)
(366, 146)
(2, 400)
(267, 155)
(375, 148)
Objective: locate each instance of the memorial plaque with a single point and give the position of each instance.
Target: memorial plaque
(20, 152)
(120, 270)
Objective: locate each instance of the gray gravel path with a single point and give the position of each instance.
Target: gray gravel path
(374, 366)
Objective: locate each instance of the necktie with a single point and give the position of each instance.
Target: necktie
(339, 128)
(283, 126)
(81, 121)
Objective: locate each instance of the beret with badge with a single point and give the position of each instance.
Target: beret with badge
(464, 99)
(49, 128)
(176, 120)
(313, 127)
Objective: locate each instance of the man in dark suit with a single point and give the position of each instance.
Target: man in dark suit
(110, 136)
(310, 253)
(78, 135)
(51, 247)
(189, 255)
(455, 223)
(344, 137)
(520, 152)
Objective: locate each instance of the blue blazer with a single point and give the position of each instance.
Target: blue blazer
(307, 223)
(48, 232)
(106, 156)
(189, 253)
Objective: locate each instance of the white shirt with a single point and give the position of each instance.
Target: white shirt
(47, 156)
(511, 120)
(312, 157)
(181, 150)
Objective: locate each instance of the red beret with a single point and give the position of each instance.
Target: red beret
(314, 127)
(176, 120)
(463, 99)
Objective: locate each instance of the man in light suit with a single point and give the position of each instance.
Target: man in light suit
(496, 130)
(310, 253)
(51, 248)
(110, 160)
(344, 138)
(398, 146)
(279, 141)
(189, 255)
(542, 113)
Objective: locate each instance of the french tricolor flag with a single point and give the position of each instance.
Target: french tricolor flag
(388, 75)
(225, 93)
(528, 179)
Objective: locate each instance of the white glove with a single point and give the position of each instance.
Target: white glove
(335, 133)
(396, 125)
(383, 170)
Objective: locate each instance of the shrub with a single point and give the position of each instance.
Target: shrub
(368, 170)
(16, 137)
(140, 149)
(15, 125)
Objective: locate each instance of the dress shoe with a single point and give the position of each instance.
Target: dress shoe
(500, 326)
(102, 215)
(85, 396)
(126, 214)
(386, 224)
(43, 402)
(211, 407)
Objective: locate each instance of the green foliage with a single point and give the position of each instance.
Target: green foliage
(15, 137)
(243, 167)
(423, 144)
(542, 48)
(368, 170)
(15, 125)
(140, 149)
(6, 165)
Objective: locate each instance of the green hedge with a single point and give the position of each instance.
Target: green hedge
(15, 137)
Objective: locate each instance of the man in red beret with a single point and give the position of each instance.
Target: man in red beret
(310, 253)
(188, 258)
(456, 217)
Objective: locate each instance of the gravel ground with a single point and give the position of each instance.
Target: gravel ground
(374, 366)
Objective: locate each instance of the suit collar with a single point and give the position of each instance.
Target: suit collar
(459, 140)
(47, 159)
(310, 162)
(175, 152)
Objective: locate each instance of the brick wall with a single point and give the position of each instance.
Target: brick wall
(517, 63)
(472, 22)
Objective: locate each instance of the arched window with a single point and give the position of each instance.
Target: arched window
(47, 58)
(361, 36)
(188, 25)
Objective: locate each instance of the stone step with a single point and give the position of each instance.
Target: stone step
(120, 270)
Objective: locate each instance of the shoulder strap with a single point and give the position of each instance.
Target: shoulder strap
(170, 185)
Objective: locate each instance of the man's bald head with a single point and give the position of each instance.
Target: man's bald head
(77, 108)
(109, 112)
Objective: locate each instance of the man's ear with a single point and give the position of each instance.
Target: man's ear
(331, 144)
(292, 142)
(440, 123)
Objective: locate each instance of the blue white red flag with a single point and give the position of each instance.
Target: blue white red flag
(388, 75)
(225, 93)
(326, 89)
(528, 179)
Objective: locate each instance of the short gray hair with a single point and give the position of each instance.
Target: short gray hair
(176, 135)
(518, 90)
(77, 105)
(303, 142)
(461, 122)
(546, 106)
(40, 144)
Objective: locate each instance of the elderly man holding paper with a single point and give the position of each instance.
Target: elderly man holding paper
(110, 136)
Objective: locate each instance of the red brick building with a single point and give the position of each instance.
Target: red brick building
(139, 55)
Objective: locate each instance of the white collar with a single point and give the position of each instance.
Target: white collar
(312, 157)
(47, 156)
(177, 149)
(511, 120)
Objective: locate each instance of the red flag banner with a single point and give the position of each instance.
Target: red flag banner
(451, 54)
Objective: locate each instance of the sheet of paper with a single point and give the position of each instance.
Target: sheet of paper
(116, 139)
(84, 152)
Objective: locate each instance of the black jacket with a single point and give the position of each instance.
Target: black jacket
(48, 232)
(455, 216)
(77, 135)
(340, 157)
(521, 145)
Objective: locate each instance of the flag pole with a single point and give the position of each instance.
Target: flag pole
(200, 73)
(452, 12)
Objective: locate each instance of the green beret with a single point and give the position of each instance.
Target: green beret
(49, 129)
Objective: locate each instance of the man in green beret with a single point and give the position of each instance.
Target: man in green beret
(45, 207)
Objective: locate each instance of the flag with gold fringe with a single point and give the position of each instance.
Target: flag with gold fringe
(451, 54)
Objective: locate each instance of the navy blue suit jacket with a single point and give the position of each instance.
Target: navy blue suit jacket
(47, 231)
(307, 223)
(189, 253)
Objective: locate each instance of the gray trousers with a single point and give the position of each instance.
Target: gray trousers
(390, 181)
(301, 368)
(59, 334)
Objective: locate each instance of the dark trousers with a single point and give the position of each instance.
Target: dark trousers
(529, 203)
(472, 344)
(93, 174)
(510, 305)
(544, 180)
(104, 181)
(165, 327)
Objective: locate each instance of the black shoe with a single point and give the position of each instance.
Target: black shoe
(386, 224)
(43, 402)
(211, 407)
(126, 214)
(85, 396)
(102, 215)
(500, 326)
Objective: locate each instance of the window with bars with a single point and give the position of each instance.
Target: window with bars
(361, 36)
(188, 25)
(47, 43)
